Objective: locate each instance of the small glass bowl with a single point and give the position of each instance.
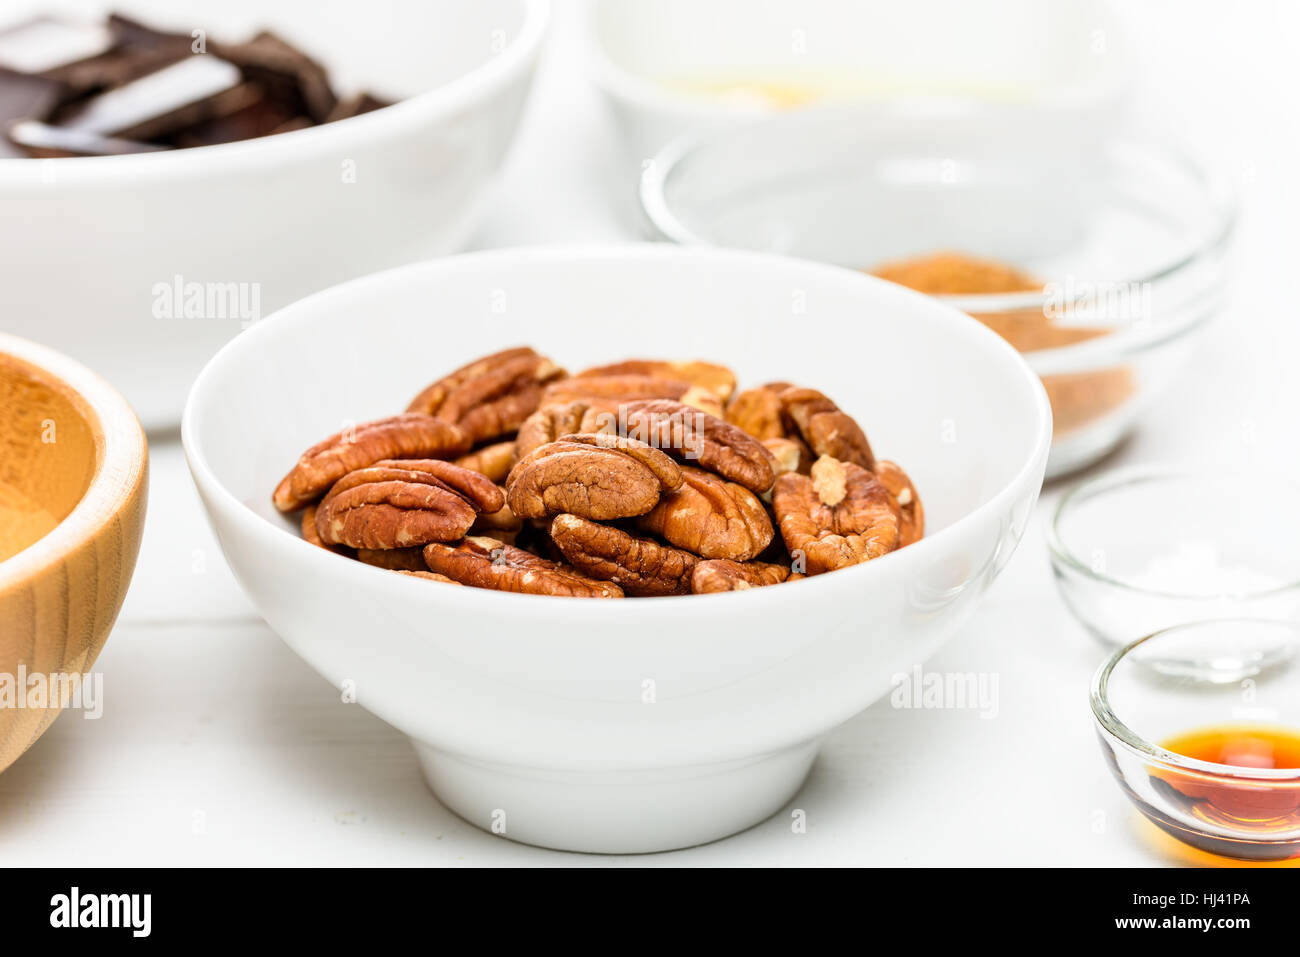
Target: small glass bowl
(1246, 681)
(1128, 231)
(1141, 549)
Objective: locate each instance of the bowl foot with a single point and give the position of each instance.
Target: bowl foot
(617, 812)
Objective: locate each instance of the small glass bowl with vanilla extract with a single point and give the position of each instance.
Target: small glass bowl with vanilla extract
(1200, 725)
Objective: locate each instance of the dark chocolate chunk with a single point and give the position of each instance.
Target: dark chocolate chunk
(159, 103)
(288, 74)
(244, 113)
(137, 51)
(355, 105)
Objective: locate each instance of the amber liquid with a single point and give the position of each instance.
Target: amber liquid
(1265, 815)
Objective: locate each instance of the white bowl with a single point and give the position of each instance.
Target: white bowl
(91, 248)
(655, 59)
(633, 725)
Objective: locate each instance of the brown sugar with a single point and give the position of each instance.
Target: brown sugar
(1077, 398)
(956, 274)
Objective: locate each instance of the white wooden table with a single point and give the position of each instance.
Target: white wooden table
(219, 746)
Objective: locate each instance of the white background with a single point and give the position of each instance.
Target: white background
(219, 746)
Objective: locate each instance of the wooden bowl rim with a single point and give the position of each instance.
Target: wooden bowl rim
(121, 459)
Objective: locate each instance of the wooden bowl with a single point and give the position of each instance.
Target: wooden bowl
(73, 478)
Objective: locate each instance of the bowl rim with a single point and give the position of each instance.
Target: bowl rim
(121, 459)
(1220, 197)
(216, 496)
(1115, 729)
(1121, 479)
(623, 84)
(457, 94)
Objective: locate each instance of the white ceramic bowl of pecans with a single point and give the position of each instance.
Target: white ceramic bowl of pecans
(597, 725)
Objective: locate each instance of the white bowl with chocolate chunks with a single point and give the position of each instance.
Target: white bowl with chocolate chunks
(617, 536)
(172, 172)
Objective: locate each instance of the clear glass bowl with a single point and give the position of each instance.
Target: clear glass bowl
(1246, 683)
(1128, 233)
(1142, 549)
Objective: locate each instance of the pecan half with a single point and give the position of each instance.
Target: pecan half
(598, 476)
(826, 429)
(550, 422)
(911, 514)
(494, 461)
(312, 536)
(491, 396)
(697, 438)
(488, 563)
(758, 411)
(717, 379)
(398, 437)
(427, 575)
(840, 515)
(722, 575)
(608, 391)
(502, 520)
(394, 559)
(711, 517)
(398, 504)
(640, 566)
(791, 455)
(476, 488)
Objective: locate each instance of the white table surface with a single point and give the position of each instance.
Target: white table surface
(219, 746)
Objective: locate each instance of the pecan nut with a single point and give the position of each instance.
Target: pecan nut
(312, 536)
(640, 566)
(494, 461)
(711, 517)
(398, 437)
(501, 521)
(488, 563)
(723, 575)
(608, 391)
(790, 455)
(714, 378)
(597, 476)
(826, 429)
(394, 559)
(758, 411)
(840, 515)
(911, 514)
(550, 422)
(399, 504)
(491, 396)
(426, 575)
(697, 438)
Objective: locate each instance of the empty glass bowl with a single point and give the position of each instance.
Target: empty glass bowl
(1124, 234)
(1207, 747)
(1142, 549)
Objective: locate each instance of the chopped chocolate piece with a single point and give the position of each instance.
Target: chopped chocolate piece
(43, 141)
(23, 97)
(46, 43)
(288, 126)
(244, 113)
(157, 104)
(138, 50)
(355, 105)
(288, 74)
